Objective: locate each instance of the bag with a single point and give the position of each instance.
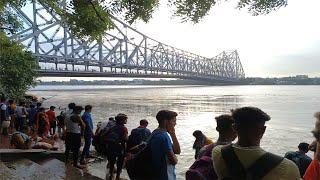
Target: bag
(136, 137)
(257, 171)
(202, 168)
(139, 165)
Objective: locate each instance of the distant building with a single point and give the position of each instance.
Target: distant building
(302, 76)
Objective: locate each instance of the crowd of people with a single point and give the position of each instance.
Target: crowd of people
(153, 154)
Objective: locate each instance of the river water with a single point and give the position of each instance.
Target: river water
(290, 107)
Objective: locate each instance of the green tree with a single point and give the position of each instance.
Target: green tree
(17, 68)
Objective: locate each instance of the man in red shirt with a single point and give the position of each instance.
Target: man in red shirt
(52, 120)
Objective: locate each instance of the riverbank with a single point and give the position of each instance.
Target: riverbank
(38, 163)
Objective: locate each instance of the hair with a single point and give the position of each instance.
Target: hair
(39, 104)
(72, 106)
(52, 107)
(197, 133)
(120, 118)
(111, 118)
(249, 116)
(87, 107)
(317, 115)
(143, 122)
(41, 109)
(304, 147)
(11, 101)
(165, 115)
(224, 123)
(78, 108)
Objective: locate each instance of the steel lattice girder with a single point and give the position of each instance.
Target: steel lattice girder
(124, 48)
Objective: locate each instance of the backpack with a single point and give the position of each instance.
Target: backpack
(139, 165)
(257, 171)
(136, 137)
(202, 168)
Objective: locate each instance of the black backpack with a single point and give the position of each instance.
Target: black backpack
(139, 165)
(257, 171)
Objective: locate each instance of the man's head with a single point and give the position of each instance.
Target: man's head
(121, 118)
(111, 118)
(32, 106)
(144, 123)
(88, 108)
(225, 127)
(52, 108)
(78, 109)
(39, 104)
(166, 119)
(11, 101)
(250, 123)
(197, 134)
(72, 106)
(42, 109)
(303, 147)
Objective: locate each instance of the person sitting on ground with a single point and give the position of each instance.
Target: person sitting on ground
(139, 135)
(21, 140)
(300, 158)
(116, 138)
(164, 145)
(200, 142)
(246, 158)
(202, 168)
(313, 171)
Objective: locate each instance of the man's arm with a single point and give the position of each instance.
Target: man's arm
(172, 157)
(176, 145)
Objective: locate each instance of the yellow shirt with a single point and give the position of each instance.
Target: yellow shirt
(286, 170)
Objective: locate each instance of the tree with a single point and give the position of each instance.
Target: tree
(17, 68)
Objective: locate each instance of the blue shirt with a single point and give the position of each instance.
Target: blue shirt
(32, 114)
(86, 117)
(160, 143)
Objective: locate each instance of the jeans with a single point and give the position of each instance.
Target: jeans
(86, 148)
(73, 143)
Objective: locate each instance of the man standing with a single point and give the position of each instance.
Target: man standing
(300, 158)
(73, 136)
(139, 134)
(246, 158)
(88, 132)
(3, 116)
(164, 145)
(52, 120)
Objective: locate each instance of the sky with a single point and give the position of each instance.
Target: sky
(283, 43)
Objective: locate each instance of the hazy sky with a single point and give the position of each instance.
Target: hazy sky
(285, 42)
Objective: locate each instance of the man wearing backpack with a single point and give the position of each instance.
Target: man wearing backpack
(300, 158)
(246, 159)
(138, 135)
(202, 168)
(116, 138)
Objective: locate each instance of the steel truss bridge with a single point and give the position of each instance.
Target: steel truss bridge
(122, 52)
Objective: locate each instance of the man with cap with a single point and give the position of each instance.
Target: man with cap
(300, 158)
(246, 159)
(52, 120)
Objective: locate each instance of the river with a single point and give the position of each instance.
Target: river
(291, 109)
